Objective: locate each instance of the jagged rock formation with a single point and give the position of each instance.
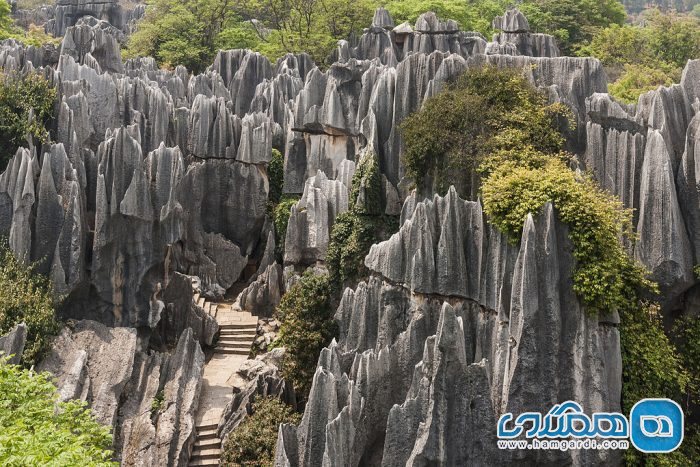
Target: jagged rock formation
(456, 326)
(152, 176)
(515, 31)
(645, 154)
(68, 12)
(12, 343)
(103, 366)
(261, 378)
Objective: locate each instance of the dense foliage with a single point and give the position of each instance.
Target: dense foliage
(20, 97)
(653, 367)
(572, 22)
(605, 278)
(485, 115)
(27, 297)
(275, 176)
(307, 326)
(36, 429)
(252, 443)
(642, 57)
(280, 218)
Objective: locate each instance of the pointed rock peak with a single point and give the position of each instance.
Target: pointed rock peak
(382, 19)
(528, 230)
(512, 21)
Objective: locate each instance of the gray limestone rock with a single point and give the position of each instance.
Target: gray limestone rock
(92, 362)
(12, 344)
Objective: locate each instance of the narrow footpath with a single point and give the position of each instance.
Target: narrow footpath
(236, 336)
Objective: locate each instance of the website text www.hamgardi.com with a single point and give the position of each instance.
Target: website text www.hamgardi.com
(562, 444)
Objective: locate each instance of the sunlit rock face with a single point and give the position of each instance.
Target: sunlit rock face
(155, 175)
(454, 327)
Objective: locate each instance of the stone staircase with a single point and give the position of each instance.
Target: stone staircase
(237, 331)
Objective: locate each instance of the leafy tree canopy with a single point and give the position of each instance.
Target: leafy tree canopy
(21, 96)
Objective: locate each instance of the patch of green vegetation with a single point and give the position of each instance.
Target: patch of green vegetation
(280, 218)
(158, 403)
(605, 278)
(639, 58)
(357, 229)
(253, 442)
(20, 95)
(26, 296)
(275, 176)
(653, 367)
(486, 116)
(307, 326)
(37, 429)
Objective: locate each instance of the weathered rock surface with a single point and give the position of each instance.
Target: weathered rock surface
(261, 378)
(426, 359)
(12, 343)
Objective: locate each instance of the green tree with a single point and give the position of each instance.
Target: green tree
(572, 22)
(187, 32)
(311, 26)
(20, 97)
(37, 430)
(485, 112)
(252, 443)
(26, 296)
(638, 79)
(307, 326)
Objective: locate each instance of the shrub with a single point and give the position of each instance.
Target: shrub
(252, 443)
(18, 96)
(652, 367)
(486, 111)
(638, 79)
(36, 429)
(307, 326)
(280, 218)
(26, 296)
(275, 174)
(605, 278)
(356, 230)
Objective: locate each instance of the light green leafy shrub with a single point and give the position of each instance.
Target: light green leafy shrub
(36, 429)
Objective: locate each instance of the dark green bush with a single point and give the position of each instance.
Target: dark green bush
(275, 174)
(307, 326)
(36, 429)
(485, 113)
(252, 443)
(18, 96)
(26, 296)
(653, 367)
(280, 218)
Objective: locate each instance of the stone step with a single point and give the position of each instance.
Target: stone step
(207, 432)
(232, 351)
(235, 340)
(212, 309)
(204, 463)
(209, 443)
(201, 302)
(246, 333)
(195, 298)
(206, 454)
(242, 325)
(233, 345)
